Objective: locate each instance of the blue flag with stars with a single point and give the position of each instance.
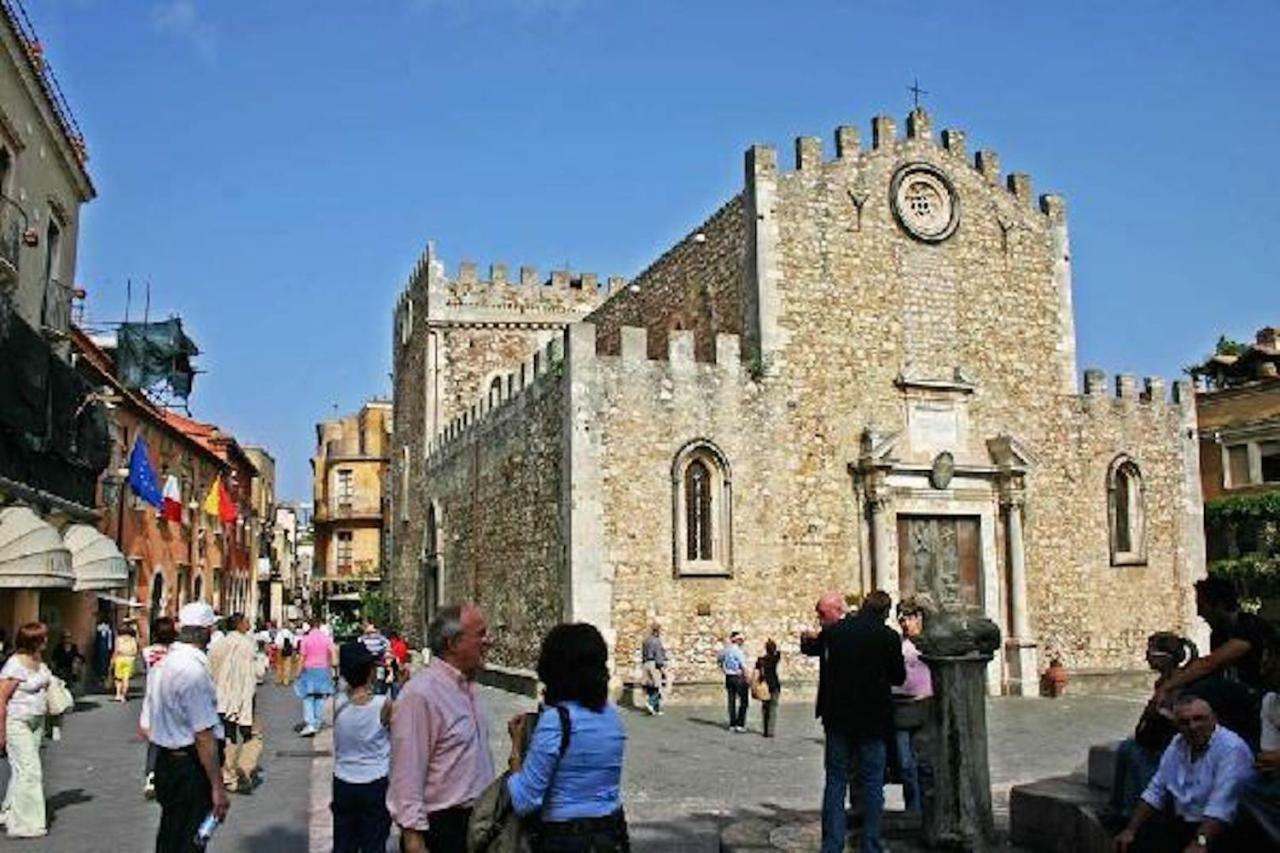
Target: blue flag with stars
(142, 478)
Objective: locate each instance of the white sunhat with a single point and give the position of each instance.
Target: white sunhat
(196, 614)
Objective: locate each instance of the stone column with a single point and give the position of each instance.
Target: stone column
(883, 533)
(1021, 646)
(957, 805)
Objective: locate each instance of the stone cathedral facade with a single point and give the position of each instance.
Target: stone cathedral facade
(857, 373)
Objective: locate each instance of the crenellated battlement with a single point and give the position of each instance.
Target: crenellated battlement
(1125, 390)
(809, 155)
(547, 364)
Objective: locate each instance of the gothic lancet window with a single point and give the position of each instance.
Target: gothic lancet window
(1126, 510)
(703, 511)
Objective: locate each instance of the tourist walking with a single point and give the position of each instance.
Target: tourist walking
(860, 661)
(769, 685)
(286, 644)
(435, 780)
(378, 646)
(653, 658)
(570, 775)
(733, 663)
(24, 692)
(164, 631)
(1191, 800)
(317, 655)
(186, 729)
(122, 661)
(361, 757)
(909, 714)
(234, 665)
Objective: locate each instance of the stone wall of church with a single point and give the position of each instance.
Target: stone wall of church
(494, 478)
(1093, 614)
(696, 285)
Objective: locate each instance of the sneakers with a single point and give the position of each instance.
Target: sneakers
(648, 709)
(308, 731)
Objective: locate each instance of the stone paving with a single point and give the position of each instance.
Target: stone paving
(686, 777)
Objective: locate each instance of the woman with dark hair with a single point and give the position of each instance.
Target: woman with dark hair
(767, 674)
(571, 774)
(1137, 757)
(361, 756)
(24, 691)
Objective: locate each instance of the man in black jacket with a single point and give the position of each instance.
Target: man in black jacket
(860, 660)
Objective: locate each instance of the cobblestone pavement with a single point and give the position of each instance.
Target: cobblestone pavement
(685, 775)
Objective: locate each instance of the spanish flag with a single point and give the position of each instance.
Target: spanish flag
(218, 502)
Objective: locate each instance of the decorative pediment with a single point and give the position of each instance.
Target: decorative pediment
(1010, 454)
(878, 446)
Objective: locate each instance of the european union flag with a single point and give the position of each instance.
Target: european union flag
(142, 477)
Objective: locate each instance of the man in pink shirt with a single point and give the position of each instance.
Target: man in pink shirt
(440, 760)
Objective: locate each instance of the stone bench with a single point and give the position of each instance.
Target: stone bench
(1062, 814)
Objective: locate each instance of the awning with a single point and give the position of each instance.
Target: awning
(123, 602)
(95, 559)
(32, 554)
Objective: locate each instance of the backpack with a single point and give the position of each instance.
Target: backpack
(287, 648)
(494, 826)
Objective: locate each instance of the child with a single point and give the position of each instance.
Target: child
(361, 757)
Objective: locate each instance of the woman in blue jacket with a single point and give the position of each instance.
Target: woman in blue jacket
(571, 773)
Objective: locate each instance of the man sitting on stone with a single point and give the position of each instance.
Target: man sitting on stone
(1191, 802)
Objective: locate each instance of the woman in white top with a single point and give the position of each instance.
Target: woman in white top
(361, 757)
(24, 690)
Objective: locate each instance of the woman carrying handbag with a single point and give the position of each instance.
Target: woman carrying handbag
(766, 687)
(570, 776)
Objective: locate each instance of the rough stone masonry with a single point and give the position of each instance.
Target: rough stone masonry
(857, 373)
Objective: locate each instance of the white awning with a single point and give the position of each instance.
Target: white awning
(95, 559)
(123, 602)
(32, 554)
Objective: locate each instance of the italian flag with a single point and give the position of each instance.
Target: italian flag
(218, 502)
(171, 510)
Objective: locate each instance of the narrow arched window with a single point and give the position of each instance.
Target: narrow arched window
(697, 504)
(1127, 512)
(702, 516)
(431, 564)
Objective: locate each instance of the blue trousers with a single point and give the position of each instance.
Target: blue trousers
(910, 769)
(870, 754)
(313, 710)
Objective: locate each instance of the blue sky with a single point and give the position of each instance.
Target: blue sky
(275, 168)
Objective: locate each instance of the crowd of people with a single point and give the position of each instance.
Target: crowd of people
(411, 738)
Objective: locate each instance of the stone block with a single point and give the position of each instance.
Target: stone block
(1059, 815)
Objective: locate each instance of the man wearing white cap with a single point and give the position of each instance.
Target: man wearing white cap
(186, 731)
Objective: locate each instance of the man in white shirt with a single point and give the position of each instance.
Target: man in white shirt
(233, 663)
(186, 730)
(1191, 801)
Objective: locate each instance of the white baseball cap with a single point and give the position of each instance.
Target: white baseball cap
(196, 614)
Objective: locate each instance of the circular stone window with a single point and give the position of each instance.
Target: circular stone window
(924, 202)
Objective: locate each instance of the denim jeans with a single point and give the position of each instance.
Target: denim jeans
(841, 751)
(735, 688)
(910, 769)
(313, 711)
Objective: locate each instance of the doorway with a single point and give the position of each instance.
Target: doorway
(941, 555)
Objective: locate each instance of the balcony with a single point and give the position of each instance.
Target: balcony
(348, 509)
(55, 315)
